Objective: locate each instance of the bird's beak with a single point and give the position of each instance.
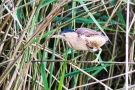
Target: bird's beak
(57, 36)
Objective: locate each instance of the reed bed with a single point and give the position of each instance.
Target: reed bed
(31, 60)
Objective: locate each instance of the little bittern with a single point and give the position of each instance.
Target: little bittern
(84, 39)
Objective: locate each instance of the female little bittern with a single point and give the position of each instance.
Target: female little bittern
(84, 39)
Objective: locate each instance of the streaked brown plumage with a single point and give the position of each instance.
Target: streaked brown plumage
(93, 38)
(84, 39)
(87, 32)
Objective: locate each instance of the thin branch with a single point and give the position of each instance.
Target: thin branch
(127, 31)
(102, 80)
(89, 76)
(17, 8)
(83, 61)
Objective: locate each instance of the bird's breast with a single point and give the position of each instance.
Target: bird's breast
(77, 44)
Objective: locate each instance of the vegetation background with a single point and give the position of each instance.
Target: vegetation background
(31, 60)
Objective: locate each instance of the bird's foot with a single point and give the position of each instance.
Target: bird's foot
(95, 62)
(73, 61)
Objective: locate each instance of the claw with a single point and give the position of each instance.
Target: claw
(73, 61)
(95, 61)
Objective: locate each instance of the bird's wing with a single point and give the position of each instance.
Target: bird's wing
(87, 32)
(93, 38)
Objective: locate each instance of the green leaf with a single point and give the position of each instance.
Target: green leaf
(52, 64)
(92, 17)
(84, 20)
(62, 77)
(86, 70)
(14, 16)
(119, 13)
(45, 3)
(44, 76)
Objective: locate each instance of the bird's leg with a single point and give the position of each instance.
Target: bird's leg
(74, 59)
(89, 45)
(96, 60)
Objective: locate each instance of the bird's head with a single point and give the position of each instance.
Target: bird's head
(64, 34)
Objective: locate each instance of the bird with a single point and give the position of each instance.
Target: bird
(84, 39)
